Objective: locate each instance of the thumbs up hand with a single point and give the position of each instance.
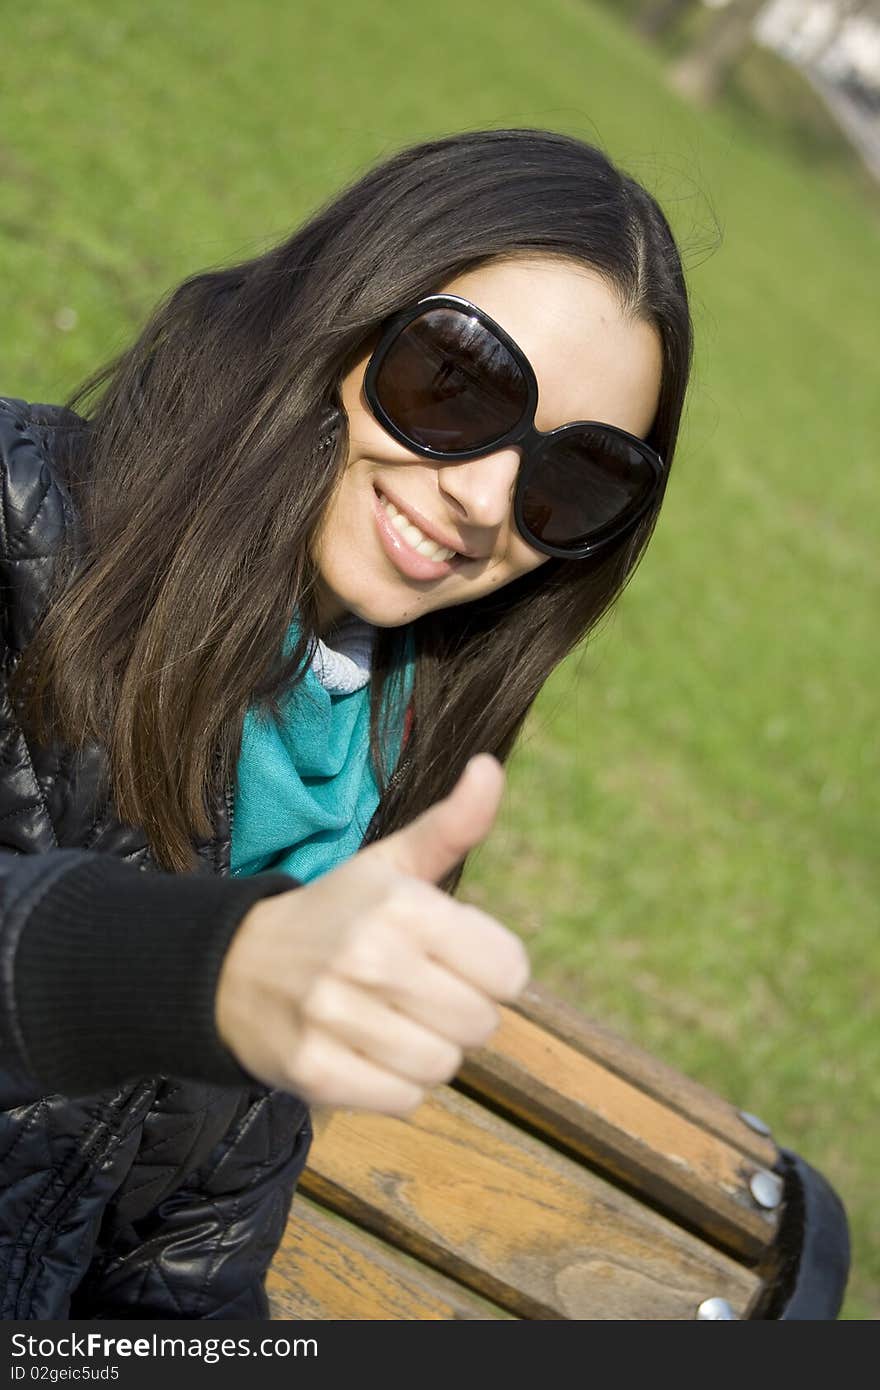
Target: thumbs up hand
(363, 988)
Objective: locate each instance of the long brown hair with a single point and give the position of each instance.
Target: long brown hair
(206, 466)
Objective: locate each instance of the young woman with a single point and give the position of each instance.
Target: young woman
(271, 581)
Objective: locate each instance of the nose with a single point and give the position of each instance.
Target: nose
(480, 491)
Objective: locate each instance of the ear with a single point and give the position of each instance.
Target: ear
(330, 419)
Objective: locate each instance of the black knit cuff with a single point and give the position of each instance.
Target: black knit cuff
(116, 974)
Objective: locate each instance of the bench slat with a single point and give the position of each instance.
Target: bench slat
(680, 1092)
(471, 1194)
(563, 1093)
(330, 1270)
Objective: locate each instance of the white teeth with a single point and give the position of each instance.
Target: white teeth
(413, 536)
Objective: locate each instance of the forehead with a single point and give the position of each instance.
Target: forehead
(592, 361)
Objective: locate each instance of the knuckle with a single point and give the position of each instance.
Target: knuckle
(322, 1003)
(406, 1104)
(364, 958)
(446, 1064)
(311, 1070)
(485, 1020)
(480, 921)
(513, 979)
(407, 902)
(511, 961)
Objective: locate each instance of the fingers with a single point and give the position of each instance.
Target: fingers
(445, 1004)
(382, 1034)
(392, 967)
(437, 840)
(465, 940)
(327, 1072)
(475, 946)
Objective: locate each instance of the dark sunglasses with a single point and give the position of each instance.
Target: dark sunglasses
(448, 382)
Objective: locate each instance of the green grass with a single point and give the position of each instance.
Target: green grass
(688, 843)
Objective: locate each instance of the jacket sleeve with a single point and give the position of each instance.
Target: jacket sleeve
(108, 973)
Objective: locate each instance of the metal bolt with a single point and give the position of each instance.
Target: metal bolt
(753, 1122)
(717, 1308)
(766, 1188)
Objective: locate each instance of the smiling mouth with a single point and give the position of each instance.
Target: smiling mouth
(416, 539)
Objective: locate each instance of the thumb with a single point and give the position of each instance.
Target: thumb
(440, 837)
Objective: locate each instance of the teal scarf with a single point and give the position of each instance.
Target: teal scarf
(305, 790)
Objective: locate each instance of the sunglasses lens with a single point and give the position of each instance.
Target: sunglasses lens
(447, 383)
(584, 486)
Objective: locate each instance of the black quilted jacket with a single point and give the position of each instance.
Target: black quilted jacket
(143, 1173)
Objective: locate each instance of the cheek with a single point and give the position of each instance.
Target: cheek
(519, 560)
(334, 531)
(368, 447)
(523, 557)
(348, 527)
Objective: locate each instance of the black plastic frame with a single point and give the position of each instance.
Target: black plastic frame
(533, 441)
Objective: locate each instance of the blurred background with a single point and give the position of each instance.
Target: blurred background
(688, 843)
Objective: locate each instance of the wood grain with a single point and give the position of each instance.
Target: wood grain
(328, 1269)
(663, 1082)
(659, 1154)
(532, 1230)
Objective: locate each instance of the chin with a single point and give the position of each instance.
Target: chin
(383, 617)
(381, 614)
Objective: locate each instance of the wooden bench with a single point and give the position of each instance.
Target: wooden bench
(563, 1175)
